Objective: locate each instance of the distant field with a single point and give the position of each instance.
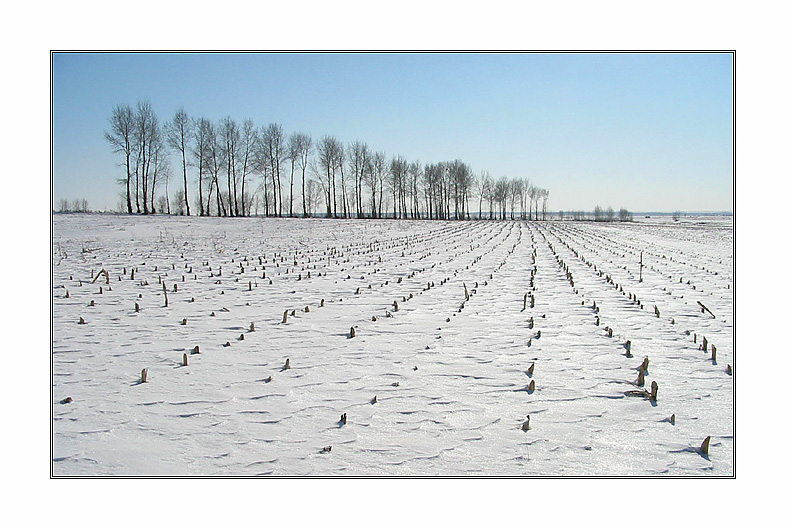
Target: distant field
(421, 332)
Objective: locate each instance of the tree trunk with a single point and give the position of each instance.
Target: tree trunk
(273, 185)
(185, 182)
(222, 208)
(343, 194)
(303, 183)
(292, 188)
(267, 203)
(201, 200)
(335, 204)
(128, 181)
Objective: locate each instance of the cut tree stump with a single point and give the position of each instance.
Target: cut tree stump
(705, 445)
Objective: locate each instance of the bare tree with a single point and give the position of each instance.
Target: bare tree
(160, 168)
(379, 168)
(523, 197)
(273, 142)
(214, 167)
(415, 173)
(262, 167)
(359, 158)
(179, 202)
(229, 139)
(483, 188)
(292, 154)
(322, 169)
(330, 154)
(147, 138)
(398, 175)
(304, 148)
(370, 181)
(534, 194)
(77, 205)
(201, 152)
(339, 160)
(459, 187)
(312, 197)
(299, 149)
(163, 204)
(122, 139)
(249, 138)
(436, 184)
(544, 195)
(430, 188)
(516, 191)
(467, 187)
(501, 189)
(179, 132)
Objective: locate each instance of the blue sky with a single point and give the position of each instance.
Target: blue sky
(649, 132)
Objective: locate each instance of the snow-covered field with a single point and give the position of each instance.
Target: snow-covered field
(435, 379)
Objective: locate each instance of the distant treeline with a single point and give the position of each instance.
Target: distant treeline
(598, 215)
(233, 169)
(75, 206)
(608, 214)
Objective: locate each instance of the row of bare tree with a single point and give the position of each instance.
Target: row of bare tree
(607, 215)
(598, 215)
(78, 205)
(230, 158)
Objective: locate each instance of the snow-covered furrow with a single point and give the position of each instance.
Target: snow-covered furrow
(422, 333)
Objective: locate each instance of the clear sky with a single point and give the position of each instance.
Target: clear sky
(648, 132)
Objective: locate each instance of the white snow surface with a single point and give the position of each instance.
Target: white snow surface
(449, 374)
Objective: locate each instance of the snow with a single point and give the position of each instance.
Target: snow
(451, 395)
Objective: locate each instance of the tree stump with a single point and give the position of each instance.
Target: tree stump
(645, 364)
(653, 393)
(705, 445)
(640, 378)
